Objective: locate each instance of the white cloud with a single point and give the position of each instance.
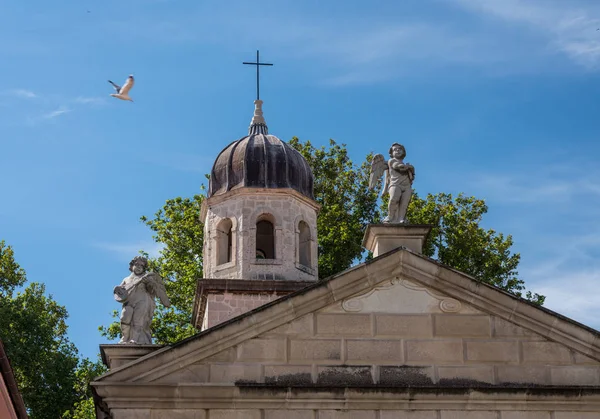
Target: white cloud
(56, 113)
(557, 235)
(349, 50)
(90, 100)
(555, 182)
(572, 293)
(23, 93)
(568, 26)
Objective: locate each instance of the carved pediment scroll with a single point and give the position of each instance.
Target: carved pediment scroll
(399, 295)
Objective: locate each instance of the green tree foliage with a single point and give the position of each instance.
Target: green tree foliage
(34, 333)
(11, 274)
(458, 240)
(347, 206)
(85, 373)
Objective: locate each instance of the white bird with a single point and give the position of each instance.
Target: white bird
(123, 92)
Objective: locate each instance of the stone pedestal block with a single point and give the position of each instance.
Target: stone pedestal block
(113, 356)
(382, 238)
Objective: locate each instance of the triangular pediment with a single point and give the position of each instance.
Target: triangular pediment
(398, 320)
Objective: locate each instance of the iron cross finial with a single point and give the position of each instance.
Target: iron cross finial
(257, 64)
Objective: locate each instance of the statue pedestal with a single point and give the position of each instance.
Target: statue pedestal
(115, 355)
(382, 238)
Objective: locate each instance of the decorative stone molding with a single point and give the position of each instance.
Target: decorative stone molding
(356, 303)
(447, 304)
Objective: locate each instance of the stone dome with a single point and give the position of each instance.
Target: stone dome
(260, 160)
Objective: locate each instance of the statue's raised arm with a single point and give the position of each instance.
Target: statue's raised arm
(398, 181)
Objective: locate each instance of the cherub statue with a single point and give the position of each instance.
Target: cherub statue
(398, 181)
(137, 293)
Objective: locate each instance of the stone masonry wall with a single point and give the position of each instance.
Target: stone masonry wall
(222, 307)
(244, 209)
(397, 350)
(344, 414)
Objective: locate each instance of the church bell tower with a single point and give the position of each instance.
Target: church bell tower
(260, 226)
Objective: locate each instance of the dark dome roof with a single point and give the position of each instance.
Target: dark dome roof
(260, 160)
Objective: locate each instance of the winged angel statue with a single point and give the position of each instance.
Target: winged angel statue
(397, 181)
(137, 293)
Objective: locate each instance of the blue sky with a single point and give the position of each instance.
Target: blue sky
(494, 98)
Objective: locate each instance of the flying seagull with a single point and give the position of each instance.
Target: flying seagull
(123, 92)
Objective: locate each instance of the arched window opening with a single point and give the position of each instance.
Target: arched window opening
(224, 241)
(265, 240)
(304, 244)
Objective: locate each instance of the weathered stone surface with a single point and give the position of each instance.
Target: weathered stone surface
(226, 306)
(352, 376)
(493, 351)
(228, 355)
(115, 355)
(416, 326)
(472, 414)
(382, 238)
(434, 351)
(462, 325)
(195, 373)
(408, 414)
(572, 376)
(235, 414)
(131, 413)
(575, 415)
(344, 324)
(503, 328)
(546, 353)
(315, 350)
(231, 373)
(465, 375)
(523, 374)
(376, 350)
(525, 415)
(178, 414)
(272, 349)
(289, 414)
(400, 376)
(347, 414)
(586, 360)
(302, 326)
(288, 374)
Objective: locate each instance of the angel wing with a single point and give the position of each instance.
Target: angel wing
(156, 286)
(127, 86)
(378, 166)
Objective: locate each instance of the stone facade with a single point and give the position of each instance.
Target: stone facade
(346, 414)
(244, 207)
(226, 306)
(400, 336)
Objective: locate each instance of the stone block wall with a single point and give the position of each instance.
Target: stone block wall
(345, 414)
(224, 306)
(399, 350)
(245, 208)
